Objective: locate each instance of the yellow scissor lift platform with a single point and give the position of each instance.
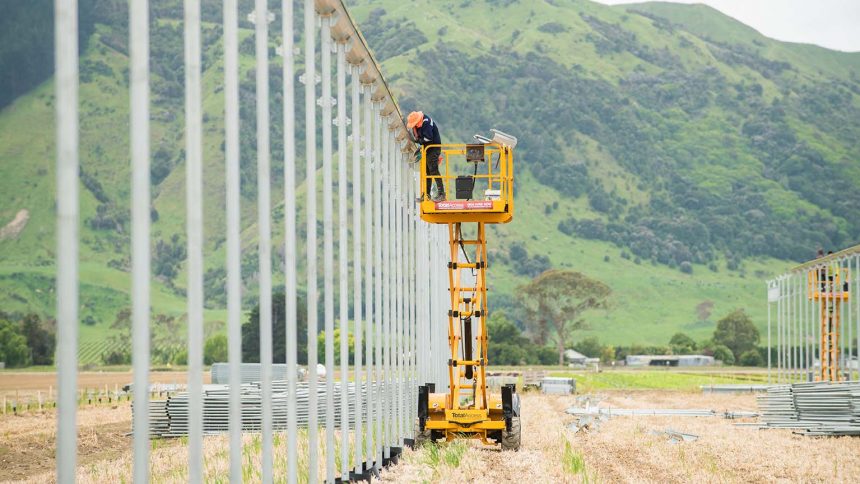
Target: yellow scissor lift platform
(479, 190)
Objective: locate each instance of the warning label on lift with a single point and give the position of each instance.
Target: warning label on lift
(465, 205)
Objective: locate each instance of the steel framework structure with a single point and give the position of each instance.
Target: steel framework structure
(396, 281)
(813, 320)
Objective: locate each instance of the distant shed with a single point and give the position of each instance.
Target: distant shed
(670, 360)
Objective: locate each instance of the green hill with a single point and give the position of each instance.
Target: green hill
(668, 150)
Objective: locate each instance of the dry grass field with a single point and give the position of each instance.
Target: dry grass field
(622, 449)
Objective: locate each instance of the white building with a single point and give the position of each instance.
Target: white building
(669, 360)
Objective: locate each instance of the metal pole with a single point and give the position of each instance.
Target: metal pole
(413, 297)
(849, 330)
(853, 289)
(370, 225)
(769, 347)
(343, 270)
(387, 236)
(140, 215)
(328, 244)
(311, 245)
(779, 329)
(234, 247)
(194, 204)
(378, 194)
(399, 296)
(358, 309)
(843, 334)
(68, 212)
(290, 256)
(264, 241)
(798, 312)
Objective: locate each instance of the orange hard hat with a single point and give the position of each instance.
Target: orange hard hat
(415, 119)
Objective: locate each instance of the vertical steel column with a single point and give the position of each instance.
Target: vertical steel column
(801, 325)
(400, 317)
(328, 243)
(311, 244)
(849, 330)
(357, 305)
(377, 181)
(140, 216)
(234, 247)
(343, 269)
(369, 308)
(810, 331)
(399, 296)
(388, 303)
(413, 297)
(779, 328)
(264, 241)
(290, 256)
(769, 344)
(798, 316)
(853, 290)
(68, 213)
(789, 328)
(194, 204)
(838, 278)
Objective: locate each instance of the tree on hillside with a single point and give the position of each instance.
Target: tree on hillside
(13, 345)
(557, 299)
(40, 339)
(681, 344)
(737, 332)
(215, 349)
(251, 332)
(589, 347)
(508, 346)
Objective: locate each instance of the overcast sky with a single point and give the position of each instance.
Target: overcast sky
(834, 24)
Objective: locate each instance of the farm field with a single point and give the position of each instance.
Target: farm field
(26, 384)
(622, 449)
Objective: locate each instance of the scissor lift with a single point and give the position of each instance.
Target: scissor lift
(482, 193)
(829, 286)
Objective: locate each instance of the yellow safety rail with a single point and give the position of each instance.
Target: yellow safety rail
(492, 172)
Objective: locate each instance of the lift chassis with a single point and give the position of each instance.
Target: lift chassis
(468, 409)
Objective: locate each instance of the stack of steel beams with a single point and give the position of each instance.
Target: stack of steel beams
(169, 418)
(823, 408)
(558, 385)
(250, 372)
(734, 388)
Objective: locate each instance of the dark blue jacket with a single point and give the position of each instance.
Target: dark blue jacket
(428, 133)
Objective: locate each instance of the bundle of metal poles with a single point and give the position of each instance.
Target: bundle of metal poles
(169, 418)
(814, 320)
(823, 408)
(397, 276)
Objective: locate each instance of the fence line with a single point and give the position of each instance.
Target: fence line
(398, 284)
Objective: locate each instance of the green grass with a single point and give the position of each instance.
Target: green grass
(574, 463)
(448, 454)
(657, 379)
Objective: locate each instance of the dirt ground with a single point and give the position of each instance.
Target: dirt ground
(622, 449)
(628, 449)
(26, 384)
(27, 445)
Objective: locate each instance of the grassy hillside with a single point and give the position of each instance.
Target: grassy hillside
(668, 150)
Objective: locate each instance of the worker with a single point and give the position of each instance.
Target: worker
(426, 132)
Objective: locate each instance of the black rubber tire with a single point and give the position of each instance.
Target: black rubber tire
(422, 438)
(511, 440)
